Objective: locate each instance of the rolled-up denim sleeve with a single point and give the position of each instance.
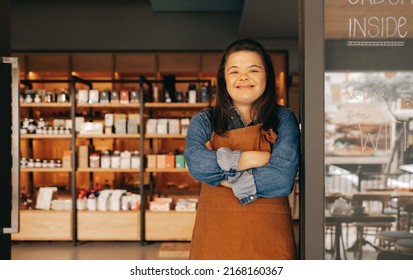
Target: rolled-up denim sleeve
(202, 163)
(276, 178)
(242, 182)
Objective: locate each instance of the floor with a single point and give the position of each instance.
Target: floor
(369, 252)
(62, 250)
(121, 250)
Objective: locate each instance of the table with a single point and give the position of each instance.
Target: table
(407, 167)
(393, 194)
(357, 160)
(340, 219)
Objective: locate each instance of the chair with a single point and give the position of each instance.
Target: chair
(373, 203)
(330, 227)
(389, 238)
(393, 255)
(404, 245)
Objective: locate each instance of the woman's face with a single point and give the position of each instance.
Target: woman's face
(245, 77)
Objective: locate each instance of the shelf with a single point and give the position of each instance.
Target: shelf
(111, 225)
(106, 136)
(45, 105)
(109, 105)
(168, 170)
(44, 225)
(171, 225)
(155, 136)
(45, 136)
(126, 170)
(41, 169)
(176, 105)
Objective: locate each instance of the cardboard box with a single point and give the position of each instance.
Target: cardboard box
(82, 96)
(124, 96)
(151, 161)
(67, 159)
(93, 96)
(179, 161)
(83, 162)
(160, 161)
(170, 161)
(83, 151)
(134, 96)
(104, 96)
(173, 126)
(114, 97)
(132, 126)
(162, 126)
(151, 126)
(109, 119)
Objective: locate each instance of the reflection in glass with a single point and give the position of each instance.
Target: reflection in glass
(368, 150)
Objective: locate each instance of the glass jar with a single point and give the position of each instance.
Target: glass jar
(38, 163)
(94, 160)
(41, 123)
(115, 160)
(31, 128)
(37, 99)
(23, 162)
(30, 164)
(135, 160)
(105, 160)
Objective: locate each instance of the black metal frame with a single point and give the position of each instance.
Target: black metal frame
(5, 124)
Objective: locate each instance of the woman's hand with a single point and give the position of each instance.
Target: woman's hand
(225, 184)
(208, 145)
(253, 159)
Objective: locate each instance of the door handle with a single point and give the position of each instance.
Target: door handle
(15, 105)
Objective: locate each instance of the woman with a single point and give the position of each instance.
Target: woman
(245, 151)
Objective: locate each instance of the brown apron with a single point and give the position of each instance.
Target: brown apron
(225, 229)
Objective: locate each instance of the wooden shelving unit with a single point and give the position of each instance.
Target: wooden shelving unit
(45, 105)
(109, 71)
(108, 136)
(45, 136)
(45, 169)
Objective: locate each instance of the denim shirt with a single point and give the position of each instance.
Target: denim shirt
(274, 179)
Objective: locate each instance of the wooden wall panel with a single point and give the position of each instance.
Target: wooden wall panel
(92, 63)
(135, 63)
(280, 62)
(179, 63)
(48, 63)
(210, 63)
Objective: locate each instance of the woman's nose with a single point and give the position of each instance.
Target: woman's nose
(243, 77)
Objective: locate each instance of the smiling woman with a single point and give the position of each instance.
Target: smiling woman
(249, 146)
(245, 79)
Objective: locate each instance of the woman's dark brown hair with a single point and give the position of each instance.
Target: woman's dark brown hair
(264, 109)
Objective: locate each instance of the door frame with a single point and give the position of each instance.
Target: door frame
(311, 56)
(5, 124)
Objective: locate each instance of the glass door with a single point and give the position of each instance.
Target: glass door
(368, 124)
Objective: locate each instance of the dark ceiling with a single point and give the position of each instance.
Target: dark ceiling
(270, 19)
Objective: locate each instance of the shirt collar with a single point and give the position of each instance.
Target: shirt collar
(240, 122)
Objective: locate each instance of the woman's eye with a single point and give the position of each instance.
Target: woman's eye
(233, 72)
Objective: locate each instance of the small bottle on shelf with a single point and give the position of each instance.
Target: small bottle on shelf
(155, 94)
